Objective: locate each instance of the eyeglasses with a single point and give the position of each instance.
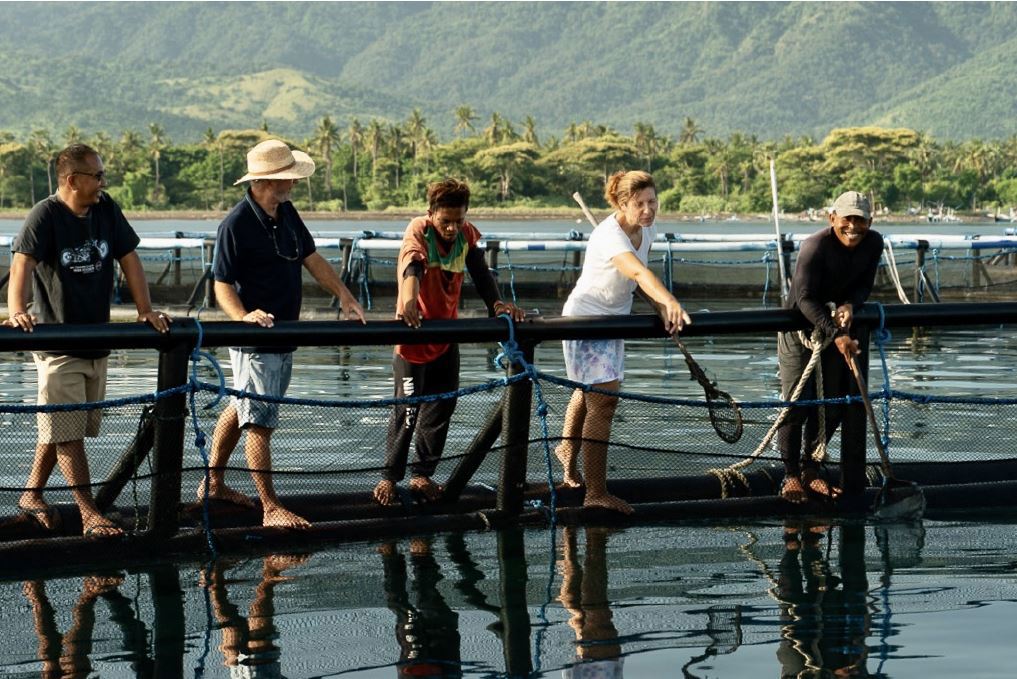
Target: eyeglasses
(99, 176)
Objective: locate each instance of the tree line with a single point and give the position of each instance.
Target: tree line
(380, 164)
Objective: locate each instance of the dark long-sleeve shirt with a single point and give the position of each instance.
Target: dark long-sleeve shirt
(826, 271)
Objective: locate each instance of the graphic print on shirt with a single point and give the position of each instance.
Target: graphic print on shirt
(87, 258)
(411, 411)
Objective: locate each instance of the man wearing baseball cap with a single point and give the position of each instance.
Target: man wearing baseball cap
(261, 248)
(835, 271)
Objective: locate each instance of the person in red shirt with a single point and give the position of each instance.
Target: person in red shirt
(437, 252)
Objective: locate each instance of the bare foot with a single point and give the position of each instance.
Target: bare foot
(420, 546)
(280, 517)
(385, 493)
(97, 585)
(608, 501)
(275, 564)
(567, 456)
(818, 486)
(97, 526)
(791, 490)
(425, 488)
(225, 494)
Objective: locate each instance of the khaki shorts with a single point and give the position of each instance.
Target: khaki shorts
(66, 379)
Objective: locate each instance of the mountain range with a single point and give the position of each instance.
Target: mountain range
(769, 69)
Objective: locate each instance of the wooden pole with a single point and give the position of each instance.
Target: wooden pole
(854, 429)
(515, 617)
(516, 435)
(128, 464)
(474, 455)
(168, 451)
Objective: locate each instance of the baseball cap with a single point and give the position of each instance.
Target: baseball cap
(852, 203)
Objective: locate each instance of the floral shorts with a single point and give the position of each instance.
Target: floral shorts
(594, 361)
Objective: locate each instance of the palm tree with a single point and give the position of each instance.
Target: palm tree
(156, 143)
(326, 135)
(572, 133)
(465, 115)
(416, 126)
(132, 150)
(42, 147)
(648, 142)
(72, 135)
(395, 141)
(212, 142)
(499, 130)
(690, 131)
(355, 133)
(530, 131)
(375, 135)
(9, 149)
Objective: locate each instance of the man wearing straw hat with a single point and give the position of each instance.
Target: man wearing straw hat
(835, 270)
(261, 248)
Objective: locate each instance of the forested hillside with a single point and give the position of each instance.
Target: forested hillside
(768, 69)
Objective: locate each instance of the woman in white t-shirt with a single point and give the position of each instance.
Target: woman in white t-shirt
(614, 267)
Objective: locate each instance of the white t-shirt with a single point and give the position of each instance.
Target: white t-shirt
(601, 288)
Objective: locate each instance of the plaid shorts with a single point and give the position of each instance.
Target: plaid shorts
(263, 374)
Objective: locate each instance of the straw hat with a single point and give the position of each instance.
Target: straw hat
(273, 159)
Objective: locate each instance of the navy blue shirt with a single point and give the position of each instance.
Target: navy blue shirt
(263, 257)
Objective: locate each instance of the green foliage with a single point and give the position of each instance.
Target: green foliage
(760, 68)
(898, 168)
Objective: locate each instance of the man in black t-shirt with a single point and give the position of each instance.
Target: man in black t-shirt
(836, 269)
(261, 248)
(66, 248)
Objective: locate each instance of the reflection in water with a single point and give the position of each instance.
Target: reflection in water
(825, 618)
(692, 600)
(427, 629)
(69, 654)
(248, 647)
(584, 596)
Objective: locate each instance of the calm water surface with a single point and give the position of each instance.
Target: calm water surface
(919, 600)
(927, 600)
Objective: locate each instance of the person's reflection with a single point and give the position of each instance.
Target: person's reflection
(247, 646)
(584, 596)
(67, 655)
(825, 617)
(427, 631)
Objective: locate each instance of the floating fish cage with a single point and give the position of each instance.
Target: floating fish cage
(915, 267)
(498, 469)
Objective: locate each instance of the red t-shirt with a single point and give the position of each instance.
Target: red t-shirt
(442, 283)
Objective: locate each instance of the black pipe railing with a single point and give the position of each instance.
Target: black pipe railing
(538, 329)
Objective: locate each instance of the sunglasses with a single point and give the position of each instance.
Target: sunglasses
(97, 176)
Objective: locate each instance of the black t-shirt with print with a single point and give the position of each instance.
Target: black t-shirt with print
(73, 278)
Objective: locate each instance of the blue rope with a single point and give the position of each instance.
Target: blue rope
(538, 640)
(199, 436)
(883, 337)
(512, 279)
(511, 353)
